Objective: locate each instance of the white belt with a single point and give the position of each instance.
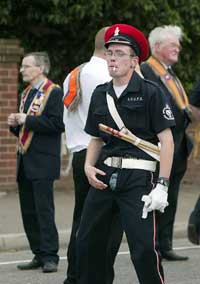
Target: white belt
(130, 163)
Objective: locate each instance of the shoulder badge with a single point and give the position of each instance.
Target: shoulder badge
(167, 113)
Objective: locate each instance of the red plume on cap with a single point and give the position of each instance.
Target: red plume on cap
(128, 35)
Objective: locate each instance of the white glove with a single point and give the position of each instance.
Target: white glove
(147, 202)
(156, 200)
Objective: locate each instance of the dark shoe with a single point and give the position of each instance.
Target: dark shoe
(193, 230)
(33, 264)
(172, 256)
(50, 266)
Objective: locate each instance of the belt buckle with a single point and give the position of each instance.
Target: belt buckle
(116, 162)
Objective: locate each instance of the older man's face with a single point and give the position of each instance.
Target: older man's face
(169, 49)
(29, 70)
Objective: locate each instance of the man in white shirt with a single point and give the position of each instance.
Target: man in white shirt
(78, 88)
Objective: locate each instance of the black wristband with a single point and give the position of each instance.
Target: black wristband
(163, 180)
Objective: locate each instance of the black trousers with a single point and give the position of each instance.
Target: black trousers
(95, 229)
(197, 210)
(166, 220)
(37, 209)
(82, 187)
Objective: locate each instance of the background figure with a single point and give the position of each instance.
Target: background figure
(165, 47)
(194, 224)
(195, 97)
(119, 172)
(38, 125)
(194, 219)
(78, 88)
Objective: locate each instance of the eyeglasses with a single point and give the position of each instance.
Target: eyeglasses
(173, 45)
(28, 66)
(117, 54)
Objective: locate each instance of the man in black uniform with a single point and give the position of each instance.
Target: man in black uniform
(39, 125)
(120, 173)
(89, 75)
(165, 48)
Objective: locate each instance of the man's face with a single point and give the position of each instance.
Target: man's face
(30, 71)
(168, 50)
(120, 60)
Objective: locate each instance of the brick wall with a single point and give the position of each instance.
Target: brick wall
(10, 56)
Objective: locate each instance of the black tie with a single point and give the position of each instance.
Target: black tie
(30, 98)
(170, 70)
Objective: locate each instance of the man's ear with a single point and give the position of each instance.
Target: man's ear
(157, 46)
(42, 69)
(135, 61)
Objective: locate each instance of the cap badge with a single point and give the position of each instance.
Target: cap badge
(116, 32)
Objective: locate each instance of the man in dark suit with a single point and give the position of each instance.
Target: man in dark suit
(38, 125)
(165, 47)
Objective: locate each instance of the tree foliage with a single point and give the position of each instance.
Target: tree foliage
(66, 28)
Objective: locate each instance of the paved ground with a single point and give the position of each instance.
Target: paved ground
(11, 229)
(181, 272)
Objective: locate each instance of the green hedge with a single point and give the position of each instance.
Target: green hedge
(66, 28)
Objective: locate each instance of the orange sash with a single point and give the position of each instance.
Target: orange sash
(73, 95)
(36, 108)
(181, 101)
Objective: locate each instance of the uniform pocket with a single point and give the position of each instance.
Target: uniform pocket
(134, 115)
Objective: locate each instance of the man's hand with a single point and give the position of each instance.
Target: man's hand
(21, 118)
(91, 173)
(12, 121)
(156, 200)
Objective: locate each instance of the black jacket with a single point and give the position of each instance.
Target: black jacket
(182, 142)
(195, 97)
(42, 159)
(140, 107)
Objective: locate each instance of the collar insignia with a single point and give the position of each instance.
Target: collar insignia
(135, 99)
